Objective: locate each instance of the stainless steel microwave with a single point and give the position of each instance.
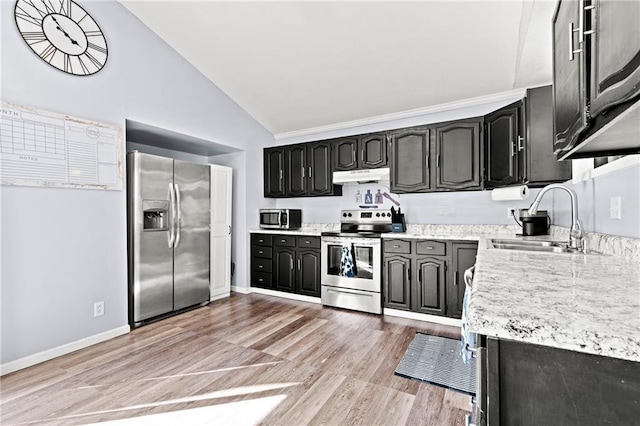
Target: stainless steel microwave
(280, 218)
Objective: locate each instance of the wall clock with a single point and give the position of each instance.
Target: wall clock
(63, 34)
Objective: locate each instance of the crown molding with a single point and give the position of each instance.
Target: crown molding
(466, 103)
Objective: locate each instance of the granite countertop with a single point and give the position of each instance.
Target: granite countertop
(583, 302)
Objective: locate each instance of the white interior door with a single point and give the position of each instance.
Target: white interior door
(220, 231)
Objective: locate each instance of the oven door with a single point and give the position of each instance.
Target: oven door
(366, 257)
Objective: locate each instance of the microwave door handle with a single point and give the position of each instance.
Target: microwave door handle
(178, 215)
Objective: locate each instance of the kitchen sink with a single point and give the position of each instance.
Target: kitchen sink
(544, 246)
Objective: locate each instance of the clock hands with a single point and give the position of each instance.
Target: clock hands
(63, 31)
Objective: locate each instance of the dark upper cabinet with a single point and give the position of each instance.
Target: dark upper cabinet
(538, 165)
(458, 147)
(502, 146)
(463, 256)
(428, 296)
(410, 160)
(615, 53)
(274, 183)
(518, 143)
(596, 77)
(373, 151)
(299, 170)
(345, 154)
(360, 152)
(296, 170)
(319, 169)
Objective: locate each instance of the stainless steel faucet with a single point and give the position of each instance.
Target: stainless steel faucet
(576, 236)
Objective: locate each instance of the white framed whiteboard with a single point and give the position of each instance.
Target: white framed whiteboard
(43, 148)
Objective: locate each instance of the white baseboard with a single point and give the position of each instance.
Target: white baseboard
(285, 295)
(243, 290)
(219, 296)
(43, 356)
(422, 317)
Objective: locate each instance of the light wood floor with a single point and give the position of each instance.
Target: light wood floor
(248, 359)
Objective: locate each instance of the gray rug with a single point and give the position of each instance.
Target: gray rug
(437, 360)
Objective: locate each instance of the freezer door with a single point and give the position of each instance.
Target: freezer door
(150, 180)
(191, 251)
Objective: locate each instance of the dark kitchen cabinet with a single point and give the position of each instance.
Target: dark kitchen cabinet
(396, 282)
(463, 256)
(502, 146)
(295, 170)
(299, 170)
(596, 77)
(284, 272)
(458, 149)
(286, 263)
(410, 160)
(529, 385)
(417, 275)
(360, 152)
(261, 260)
(518, 139)
(274, 183)
(429, 285)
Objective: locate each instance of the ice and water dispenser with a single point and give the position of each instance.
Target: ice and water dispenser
(155, 215)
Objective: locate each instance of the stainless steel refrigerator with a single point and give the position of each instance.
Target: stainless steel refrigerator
(168, 204)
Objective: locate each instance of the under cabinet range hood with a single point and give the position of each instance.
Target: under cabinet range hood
(361, 176)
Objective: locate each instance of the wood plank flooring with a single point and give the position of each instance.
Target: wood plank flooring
(248, 359)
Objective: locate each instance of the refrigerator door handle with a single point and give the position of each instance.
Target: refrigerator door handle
(172, 199)
(178, 215)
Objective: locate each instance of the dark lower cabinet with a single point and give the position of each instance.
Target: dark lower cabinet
(463, 256)
(396, 282)
(531, 385)
(421, 275)
(429, 286)
(286, 263)
(284, 273)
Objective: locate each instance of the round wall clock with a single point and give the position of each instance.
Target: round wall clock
(63, 34)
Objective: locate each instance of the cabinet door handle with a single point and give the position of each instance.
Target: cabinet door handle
(396, 246)
(291, 264)
(283, 241)
(260, 266)
(362, 156)
(455, 277)
(299, 265)
(438, 161)
(426, 162)
(429, 247)
(520, 143)
(260, 252)
(408, 275)
(307, 242)
(281, 174)
(310, 171)
(302, 171)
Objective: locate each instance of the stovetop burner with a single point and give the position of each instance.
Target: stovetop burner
(358, 223)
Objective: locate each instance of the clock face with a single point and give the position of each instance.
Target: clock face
(63, 34)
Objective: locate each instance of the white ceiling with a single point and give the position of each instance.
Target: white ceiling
(311, 64)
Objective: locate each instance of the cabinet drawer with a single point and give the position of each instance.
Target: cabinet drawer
(309, 242)
(435, 248)
(261, 239)
(284, 241)
(260, 251)
(261, 279)
(397, 246)
(261, 265)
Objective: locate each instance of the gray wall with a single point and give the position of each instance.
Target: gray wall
(64, 249)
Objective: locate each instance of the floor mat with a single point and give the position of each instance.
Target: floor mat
(437, 360)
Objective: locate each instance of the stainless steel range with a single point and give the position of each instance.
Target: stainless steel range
(352, 261)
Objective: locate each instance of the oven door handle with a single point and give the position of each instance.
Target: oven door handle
(368, 242)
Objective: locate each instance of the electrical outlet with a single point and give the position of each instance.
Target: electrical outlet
(98, 309)
(511, 212)
(615, 208)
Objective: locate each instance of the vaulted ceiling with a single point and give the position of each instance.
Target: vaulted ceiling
(300, 65)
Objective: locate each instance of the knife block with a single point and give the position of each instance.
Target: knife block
(398, 224)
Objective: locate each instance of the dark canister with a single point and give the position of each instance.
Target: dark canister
(534, 224)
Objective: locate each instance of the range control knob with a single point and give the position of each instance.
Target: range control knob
(377, 214)
(344, 215)
(349, 215)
